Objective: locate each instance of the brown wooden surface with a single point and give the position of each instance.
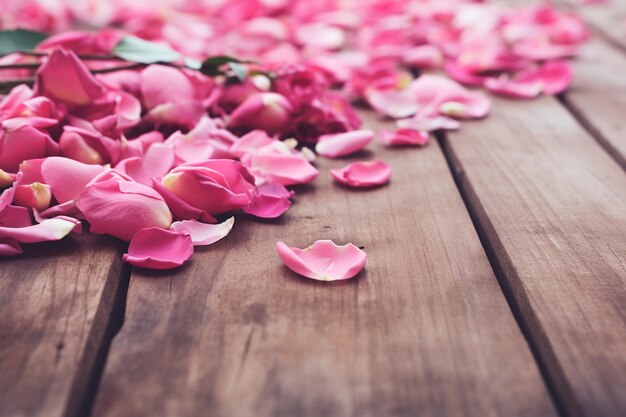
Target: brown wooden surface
(609, 19)
(553, 207)
(424, 331)
(55, 306)
(598, 95)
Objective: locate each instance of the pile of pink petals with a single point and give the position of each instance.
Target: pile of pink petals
(165, 157)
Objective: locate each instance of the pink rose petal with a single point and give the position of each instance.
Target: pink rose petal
(402, 137)
(324, 260)
(363, 174)
(341, 144)
(157, 248)
(9, 247)
(203, 233)
(271, 201)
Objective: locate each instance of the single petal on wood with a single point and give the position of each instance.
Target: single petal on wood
(157, 248)
(363, 174)
(324, 260)
(341, 144)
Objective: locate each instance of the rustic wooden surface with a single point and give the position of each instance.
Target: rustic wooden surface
(433, 327)
(552, 205)
(598, 95)
(424, 328)
(56, 303)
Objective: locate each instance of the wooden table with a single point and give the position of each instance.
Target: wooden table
(495, 286)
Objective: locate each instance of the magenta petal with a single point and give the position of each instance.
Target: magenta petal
(324, 260)
(9, 247)
(363, 174)
(203, 233)
(157, 248)
(404, 137)
(271, 201)
(342, 144)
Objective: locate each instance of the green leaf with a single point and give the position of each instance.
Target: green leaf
(19, 40)
(240, 70)
(211, 66)
(132, 48)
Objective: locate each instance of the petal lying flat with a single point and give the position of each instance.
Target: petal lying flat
(48, 229)
(341, 144)
(324, 260)
(283, 169)
(363, 174)
(203, 233)
(403, 137)
(157, 248)
(512, 88)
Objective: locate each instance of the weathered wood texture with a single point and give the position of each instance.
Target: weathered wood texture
(424, 331)
(598, 96)
(552, 205)
(607, 19)
(55, 305)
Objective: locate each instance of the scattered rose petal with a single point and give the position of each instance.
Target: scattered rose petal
(402, 137)
(203, 233)
(158, 248)
(342, 144)
(324, 260)
(363, 174)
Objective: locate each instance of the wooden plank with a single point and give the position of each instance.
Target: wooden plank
(552, 205)
(607, 19)
(56, 304)
(424, 331)
(598, 96)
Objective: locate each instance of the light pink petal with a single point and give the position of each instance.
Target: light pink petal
(250, 143)
(403, 137)
(48, 229)
(271, 201)
(363, 174)
(161, 84)
(423, 57)
(67, 178)
(157, 248)
(324, 260)
(392, 103)
(342, 144)
(283, 169)
(505, 86)
(9, 247)
(156, 162)
(203, 233)
(428, 123)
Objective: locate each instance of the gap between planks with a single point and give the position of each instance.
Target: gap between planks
(556, 383)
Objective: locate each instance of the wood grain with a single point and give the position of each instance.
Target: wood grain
(424, 331)
(598, 95)
(552, 205)
(56, 302)
(609, 19)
